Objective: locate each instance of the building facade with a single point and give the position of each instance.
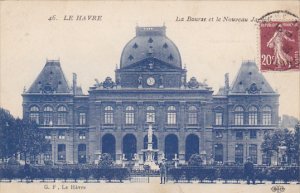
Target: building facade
(151, 85)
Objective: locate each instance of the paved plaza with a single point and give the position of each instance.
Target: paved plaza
(152, 187)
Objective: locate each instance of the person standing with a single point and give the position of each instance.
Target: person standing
(163, 171)
(249, 171)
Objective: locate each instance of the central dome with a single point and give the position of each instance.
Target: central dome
(150, 42)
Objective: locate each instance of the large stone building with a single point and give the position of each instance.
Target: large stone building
(151, 86)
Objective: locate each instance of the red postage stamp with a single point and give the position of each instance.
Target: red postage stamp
(279, 45)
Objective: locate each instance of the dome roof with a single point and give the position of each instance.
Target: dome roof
(150, 42)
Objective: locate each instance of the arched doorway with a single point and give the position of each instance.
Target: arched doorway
(191, 146)
(109, 145)
(154, 145)
(171, 146)
(129, 146)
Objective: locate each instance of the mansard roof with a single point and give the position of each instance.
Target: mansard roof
(50, 80)
(249, 80)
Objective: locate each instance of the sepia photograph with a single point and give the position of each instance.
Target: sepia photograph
(149, 96)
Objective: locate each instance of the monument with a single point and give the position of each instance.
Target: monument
(150, 152)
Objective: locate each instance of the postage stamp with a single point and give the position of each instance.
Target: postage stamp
(279, 45)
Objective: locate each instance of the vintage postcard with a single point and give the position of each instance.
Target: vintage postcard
(150, 96)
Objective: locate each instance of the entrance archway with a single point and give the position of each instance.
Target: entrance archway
(129, 146)
(191, 146)
(109, 145)
(171, 146)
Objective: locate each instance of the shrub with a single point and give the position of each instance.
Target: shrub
(97, 174)
(85, 172)
(13, 161)
(106, 161)
(48, 162)
(195, 160)
(176, 173)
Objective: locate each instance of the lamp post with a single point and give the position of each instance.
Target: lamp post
(246, 139)
(54, 148)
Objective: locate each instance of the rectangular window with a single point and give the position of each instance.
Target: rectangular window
(48, 135)
(192, 118)
(34, 117)
(219, 119)
(239, 135)
(61, 135)
(82, 135)
(81, 153)
(219, 153)
(239, 118)
(171, 119)
(253, 134)
(129, 118)
(239, 154)
(48, 152)
(61, 152)
(82, 118)
(48, 118)
(62, 118)
(252, 118)
(253, 153)
(109, 118)
(266, 119)
(219, 134)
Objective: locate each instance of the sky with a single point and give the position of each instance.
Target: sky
(92, 49)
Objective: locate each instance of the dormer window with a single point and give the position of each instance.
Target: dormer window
(170, 57)
(165, 45)
(130, 57)
(135, 46)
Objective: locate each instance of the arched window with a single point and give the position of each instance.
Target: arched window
(238, 116)
(48, 115)
(171, 115)
(192, 115)
(108, 115)
(34, 114)
(252, 115)
(61, 115)
(129, 115)
(267, 116)
(150, 114)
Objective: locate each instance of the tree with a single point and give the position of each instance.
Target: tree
(8, 135)
(19, 136)
(31, 139)
(281, 137)
(195, 160)
(106, 161)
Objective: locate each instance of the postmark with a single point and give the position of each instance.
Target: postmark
(279, 45)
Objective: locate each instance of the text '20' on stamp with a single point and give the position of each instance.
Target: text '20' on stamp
(279, 44)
